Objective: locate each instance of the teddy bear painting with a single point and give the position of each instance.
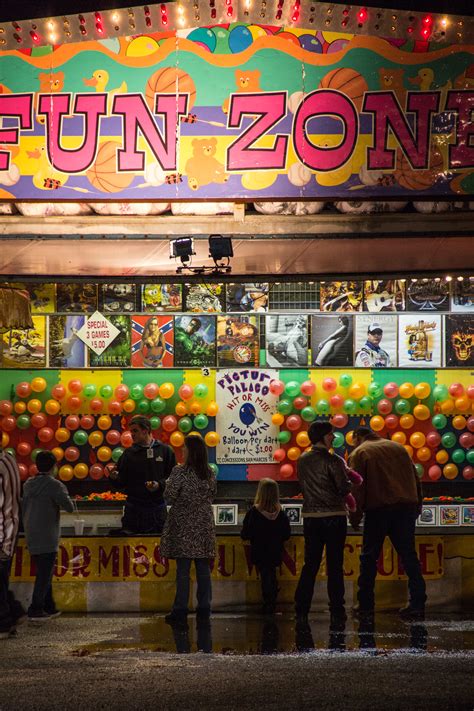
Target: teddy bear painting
(245, 81)
(203, 168)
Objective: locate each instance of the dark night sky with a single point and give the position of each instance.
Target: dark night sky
(33, 8)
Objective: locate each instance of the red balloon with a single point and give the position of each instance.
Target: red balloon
(74, 402)
(186, 391)
(87, 422)
(470, 424)
(286, 471)
(45, 434)
(279, 455)
(329, 384)
(466, 440)
(8, 423)
(339, 420)
(115, 407)
(336, 401)
(470, 392)
(72, 422)
(121, 392)
(299, 403)
(169, 423)
(468, 473)
(23, 389)
(433, 438)
(126, 439)
(71, 454)
(58, 392)
(6, 408)
(434, 472)
(75, 386)
(308, 387)
(384, 406)
(112, 437)
(96, 471)
(39, 420)
(391, 390)
(151, 390)
(23, 469)
(456, 390)
(96, 404)
(391, 422)
(32, 470)
(293, 422)
(23, 449)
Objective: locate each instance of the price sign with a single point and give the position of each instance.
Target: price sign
(98, 332)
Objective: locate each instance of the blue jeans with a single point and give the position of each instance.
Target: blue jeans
(203, 577)
(42, 600)
(398, 523)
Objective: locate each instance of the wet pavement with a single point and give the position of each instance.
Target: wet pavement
(239, 661)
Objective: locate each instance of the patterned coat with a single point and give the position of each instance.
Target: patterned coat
(189, 529)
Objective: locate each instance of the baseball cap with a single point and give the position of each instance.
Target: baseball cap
(374, 327)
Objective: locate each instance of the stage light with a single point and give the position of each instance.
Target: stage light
(220, 247)
(182, 248)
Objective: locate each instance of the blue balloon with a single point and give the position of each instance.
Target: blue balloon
(247, 414)
(240, 38)
(310, 43)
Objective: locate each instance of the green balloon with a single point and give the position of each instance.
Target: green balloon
(136, 391)
(106, 391)
(35, 453)
(349, 407)
(308, 413)
(322, 406)
(374, 390)
(201, 390)
(366, 403)
(439, 421)
(117, 453)
(80, 437)
(158, 405)
(214, 468)
(201, 422)
(338, 440)
(284, 437)
(284, 407)
(11, 451)
(448, 440)
(23, 422)
(419, 470)
(402, 407)
(143, 406)
(470, 456)
(458, 456)
(345, 380)
(185, 424)
(89, 390)
(292, 388)
(440, 392)
(155, 423)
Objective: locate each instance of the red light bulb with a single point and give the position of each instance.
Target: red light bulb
(426, 32)
(362, 15)
(427, 20)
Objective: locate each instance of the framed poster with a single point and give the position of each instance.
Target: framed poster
(449, 515)
(205, 298)
(225, 514)
(42, 298)
(463, 295)
(286, 341)
(427, 295)
(376, 341)
(152, 341)
(25, 348)
(117, 298)
(66, 350)
(384, 295)
(194, 341)
(244, 419)
(247, 297)
(117, 354)
(161, 297)
(294, 513)
(459, 340)
(341, 295)
(467, 515)
(419, 341)
(428, 516)
(332, 340)
(237, 341)
(78, 298)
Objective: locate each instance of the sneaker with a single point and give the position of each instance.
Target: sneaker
(38, 617)
(412, 613)
(54, 613)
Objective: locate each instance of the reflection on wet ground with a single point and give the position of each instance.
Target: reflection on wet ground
(249, 634)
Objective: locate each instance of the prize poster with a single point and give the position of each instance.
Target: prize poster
(205, 297)
(237, 341)
(195, 341)
(152, 341)
(162, 297)
(244, 419)
(419, 341)
(25, 348)
(287, 341)
(428, 295)
(76, 298)
(66, 350)
(117, 354)
(341, 295)
(459, 340)
(376, 341)
(384, 295)
(463, 295)
(332, 340)
(117, 298)
(42, 298)
(247, 297)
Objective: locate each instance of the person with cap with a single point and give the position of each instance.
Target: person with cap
(141, 473)
(371, 355)
(43, 498)
(391, 499)
(324, 484)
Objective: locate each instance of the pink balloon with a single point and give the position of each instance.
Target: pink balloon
(186, 391)
(384, 406)
(470, 424)
(391, 422)
(391, 390)
(456, 389)
(468, 473)
(329, 384)
(434, 472)
(276, 387)
(279, 455)
(151, 390)
(339, 420)
(433, 439)
(293, 422)
(308, 388)
(299, 403)
(112, 437)
(286, 471)
(466, 440)
(470, 392)
(336, 401)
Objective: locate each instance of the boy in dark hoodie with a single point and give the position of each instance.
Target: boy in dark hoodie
(43, 498)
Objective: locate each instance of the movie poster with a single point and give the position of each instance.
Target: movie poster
(463, 295)
(247, 297)
(194, 341)
(117, 298)
(286, 340)
(25, 348)
(427, 295)
(152, 341)
(332, 340)
(419, 341)
(78, 298)
(161, 297)
(42, 298)
(459, 340)
(117, 355)
(237, 341)
(244, 419)
(384, 295)
(204, 298)
(376, 341)
(66, 350)
(341, 295)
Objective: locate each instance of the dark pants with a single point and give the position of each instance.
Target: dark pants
(203, 577)
(138, 519)
(269, 584)
(399, 525)
(329, 531)
(42, 600)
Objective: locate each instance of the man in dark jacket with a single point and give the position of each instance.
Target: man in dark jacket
(324, 484)
(141, 473)
(391, 498)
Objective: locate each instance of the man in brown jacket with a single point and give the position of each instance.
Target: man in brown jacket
(390, 496)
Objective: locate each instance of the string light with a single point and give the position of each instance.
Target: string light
(98, 23)
(362, 16)
(164, 15)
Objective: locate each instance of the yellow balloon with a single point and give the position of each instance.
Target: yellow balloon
(52, 407)
(66, 472)
(357, 391)
(462, 404)
(58, 453)
(417, 440)
(409, 450)
(20, 407)
(423, 454)
(459, 422)
(293, 453)
(302, 440)
(104, 454)
(212, 409)
(181, 408)
(450, 471)
(5, 439)
(177, 439)
(399, 437)
(212, 439)
(34, 406)
(81, 470)
(442, 456)
(166, 390)
(104, 422)
(95, 438)
(422, 391)
(407, 421)
(377, 423)
(278, 419)
(350, 438)
(129, 405)
(406, 390)
(195, 407)
(447, 407)
(38, 385)
(421, 412)
(62, 434)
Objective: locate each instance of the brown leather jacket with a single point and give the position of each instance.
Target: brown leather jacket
(323, 481)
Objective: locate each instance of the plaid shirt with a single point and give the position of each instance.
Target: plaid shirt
(9, 504)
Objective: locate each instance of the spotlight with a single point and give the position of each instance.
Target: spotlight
(182, 248)
(220, 247)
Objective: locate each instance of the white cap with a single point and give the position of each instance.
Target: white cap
(373, 327)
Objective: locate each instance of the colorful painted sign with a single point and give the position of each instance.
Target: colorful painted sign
(201, 116)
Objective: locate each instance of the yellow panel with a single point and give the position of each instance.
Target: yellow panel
(193, 377)
(359, 375)
(96, 377)
(447, 377)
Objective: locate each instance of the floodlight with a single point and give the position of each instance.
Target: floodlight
(220, 247)
(182, 248)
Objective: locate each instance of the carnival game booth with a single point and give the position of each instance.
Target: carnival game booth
(243, 105)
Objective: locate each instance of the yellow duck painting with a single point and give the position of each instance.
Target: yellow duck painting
(46, 177)
(425, 78)
(99, 80)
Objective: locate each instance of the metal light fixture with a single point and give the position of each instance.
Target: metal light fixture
(182, 248)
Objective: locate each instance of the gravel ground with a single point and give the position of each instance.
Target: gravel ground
(122, 662)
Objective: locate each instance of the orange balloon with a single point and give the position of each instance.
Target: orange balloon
(423, 454)
(177, 439)
(406, 390)
(104, 422)
(166, 390)
(212, 409)
(5, 439)
(104, 454)
(20, 407)
(459, 422)
(81, 470)
(212, 439)
(34, 406)
(58, 453)
(293, 453)
(181, 408)
(350, 438)
(302, 439)
(422, 391)
(442, 456)
(357, 391)
(450, 471)
(447, 407)
(407, 421)
(38, 385)
(66, 472)
(52, 407)
(377, 423)
(96, 438)
(399, 437)
(421, 412)
(417, 440)
(462, 404)
(278, 419)
(195, 407)
(62, 434)
(409, 450)
(129, 405)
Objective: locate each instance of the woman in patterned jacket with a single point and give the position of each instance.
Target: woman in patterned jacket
(189, 532)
